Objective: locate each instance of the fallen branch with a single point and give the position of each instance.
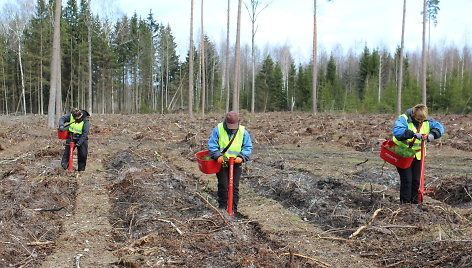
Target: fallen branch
(399, 226)
(48, 209)
(362, 228)
(205, 220)
(77, 260)
(45, 243)
(213, 207)
(467, 192)
(395, 264)
(438, 241)
(335, 238)
(26, 262)
(308, 258)
(363, 162)
(15, 159)
(173, 225)
(141, 240)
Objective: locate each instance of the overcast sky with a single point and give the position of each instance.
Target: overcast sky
(348, 23)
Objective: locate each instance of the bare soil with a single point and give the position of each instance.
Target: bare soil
(316, 194)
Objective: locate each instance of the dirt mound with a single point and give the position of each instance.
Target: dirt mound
(455, 191)
(169, 223)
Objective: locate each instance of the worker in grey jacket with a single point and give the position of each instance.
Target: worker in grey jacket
(78, 125)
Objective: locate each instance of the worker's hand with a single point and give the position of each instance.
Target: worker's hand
(77, 145)
(418, 136)
(61, 128)
(430, 137)
(220, 159)
(238, 160)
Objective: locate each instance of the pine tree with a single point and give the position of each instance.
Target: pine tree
(263, 84)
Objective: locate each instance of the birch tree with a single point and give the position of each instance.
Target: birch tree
(21, 14)
(253, 11)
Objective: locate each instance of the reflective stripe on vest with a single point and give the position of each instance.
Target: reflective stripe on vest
(223, 141)
(76, 128)
(417, 144)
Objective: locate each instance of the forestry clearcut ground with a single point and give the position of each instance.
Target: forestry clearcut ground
(315, 194)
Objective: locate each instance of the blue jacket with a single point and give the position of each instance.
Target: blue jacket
(214, 147)
(401, 132)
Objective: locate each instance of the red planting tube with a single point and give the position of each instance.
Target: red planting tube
(421, 190)
(71, 154)
(230, 186)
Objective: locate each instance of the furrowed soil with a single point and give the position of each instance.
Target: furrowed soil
(315, 194)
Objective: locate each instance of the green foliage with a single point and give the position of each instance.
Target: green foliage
(263, 85)
(401, 151)
(303, 89)
(278, 97)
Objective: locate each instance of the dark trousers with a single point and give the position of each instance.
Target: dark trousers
(410, 182)
(223, 186)
(82, 152)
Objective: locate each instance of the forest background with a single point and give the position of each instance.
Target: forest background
(135, 68)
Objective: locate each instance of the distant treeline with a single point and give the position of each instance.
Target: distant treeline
(136, 69)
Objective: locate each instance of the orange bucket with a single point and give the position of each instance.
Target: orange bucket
(62, 135)
(393, 158)
(209, 166)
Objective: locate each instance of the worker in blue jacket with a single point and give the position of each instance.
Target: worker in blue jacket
(233, 137)
(409, 129)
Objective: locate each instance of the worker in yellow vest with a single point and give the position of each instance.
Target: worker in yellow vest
(409, 129)
(229, 139)
(78, 125)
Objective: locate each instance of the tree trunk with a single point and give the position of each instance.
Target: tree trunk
(253, 14)
(112, 95)
(55, 88)
(22, 77)
(202, 52)
(227, 61)
(423, 57)
(190, 65)
(4, 86)
(89, 39)
(41, 103)
(380, 77)
(315, 63)
(400, 75)
(236, 61)
(253, 60)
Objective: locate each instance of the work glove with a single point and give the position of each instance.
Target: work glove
(77, 145)
(238, 160)
(418, 136)
(62, 128)
(430, 137)
(220, 159)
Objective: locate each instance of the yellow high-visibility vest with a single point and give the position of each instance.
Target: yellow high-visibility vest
(417, 144)
(75, 128)
(223, 141)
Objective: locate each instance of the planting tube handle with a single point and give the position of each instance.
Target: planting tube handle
(230, 186)
(414, 138)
